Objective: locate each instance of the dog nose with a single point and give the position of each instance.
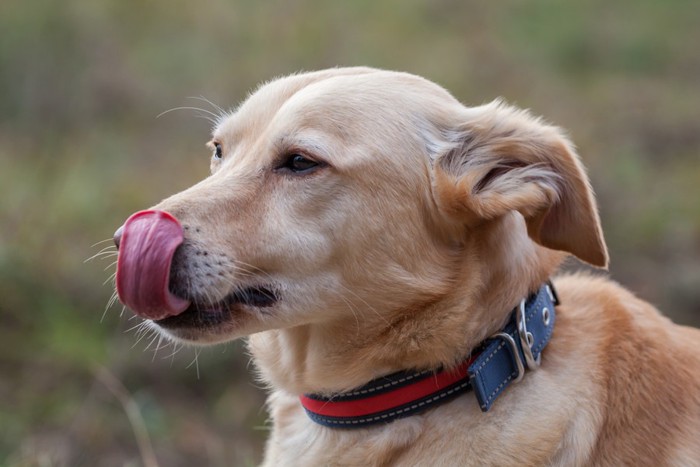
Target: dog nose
(118, 236)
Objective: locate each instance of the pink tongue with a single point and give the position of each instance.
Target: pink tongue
(146, 250)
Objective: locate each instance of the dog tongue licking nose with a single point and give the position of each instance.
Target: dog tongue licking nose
(146, 249)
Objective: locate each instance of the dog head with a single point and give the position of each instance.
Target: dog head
(354, 196)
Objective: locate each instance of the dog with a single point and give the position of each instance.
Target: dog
(382, 245)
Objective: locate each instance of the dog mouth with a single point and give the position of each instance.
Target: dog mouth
(205, 314)
(147, 284)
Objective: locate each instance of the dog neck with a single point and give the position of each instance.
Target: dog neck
(499, 269)
(488, 371)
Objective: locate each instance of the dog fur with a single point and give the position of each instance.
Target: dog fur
(425, 223)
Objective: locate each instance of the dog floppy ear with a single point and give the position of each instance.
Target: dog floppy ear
(501, 159)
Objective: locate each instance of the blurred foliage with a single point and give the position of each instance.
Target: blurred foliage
(81, 84)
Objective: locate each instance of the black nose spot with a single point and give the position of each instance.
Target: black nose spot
(118, 236)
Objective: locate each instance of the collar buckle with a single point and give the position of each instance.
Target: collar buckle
(516, 348)
(527, 340)
(514, 352)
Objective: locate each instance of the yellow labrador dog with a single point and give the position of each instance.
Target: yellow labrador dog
(388, 252)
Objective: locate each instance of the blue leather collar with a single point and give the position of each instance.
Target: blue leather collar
(500, 361)
(507, 354)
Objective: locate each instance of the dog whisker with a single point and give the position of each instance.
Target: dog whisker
(139, 339)
(109, 305)
(105, 255)
(187, 108)
(141, 332)
(102, 241)
(354, 314)
(218, 108)
(136, 326)
(104, 251)
(209, 119)
(110, 278)
(176, 348)
(152, 341)
(155, 352)
(195, 362)
(132, 317)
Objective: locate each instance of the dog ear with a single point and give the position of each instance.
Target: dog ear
(500, 159)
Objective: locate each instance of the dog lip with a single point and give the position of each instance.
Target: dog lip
(253, 296)
(196, 317)
(202, 315)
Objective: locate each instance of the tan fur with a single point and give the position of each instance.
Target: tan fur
(428, 225)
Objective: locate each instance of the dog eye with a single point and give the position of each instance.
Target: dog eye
(218, 151)
(299, 164)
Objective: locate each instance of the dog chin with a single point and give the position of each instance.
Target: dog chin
(225, 320)
(204, 326)
(198, 336)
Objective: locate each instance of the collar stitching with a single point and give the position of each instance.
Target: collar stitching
(387, 385)
(437, 397)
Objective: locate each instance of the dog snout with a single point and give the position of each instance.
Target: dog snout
(118, 236)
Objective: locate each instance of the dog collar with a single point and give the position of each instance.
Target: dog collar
(499, 361)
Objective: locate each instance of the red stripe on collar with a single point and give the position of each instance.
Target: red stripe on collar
(431, 384)
(502, 359)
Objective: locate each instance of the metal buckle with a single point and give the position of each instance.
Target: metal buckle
(514, 351)
(527, 340)
(551, 291)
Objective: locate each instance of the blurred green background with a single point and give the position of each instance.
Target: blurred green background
(81, 84)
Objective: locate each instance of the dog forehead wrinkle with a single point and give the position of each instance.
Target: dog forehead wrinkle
(258, 109)
(305, 139)
(369, 97)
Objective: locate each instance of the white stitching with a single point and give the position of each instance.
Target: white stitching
(483, 383)
(483, 362)
(399, 411)
(387, 385)
(481, 376)
(510, 376)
